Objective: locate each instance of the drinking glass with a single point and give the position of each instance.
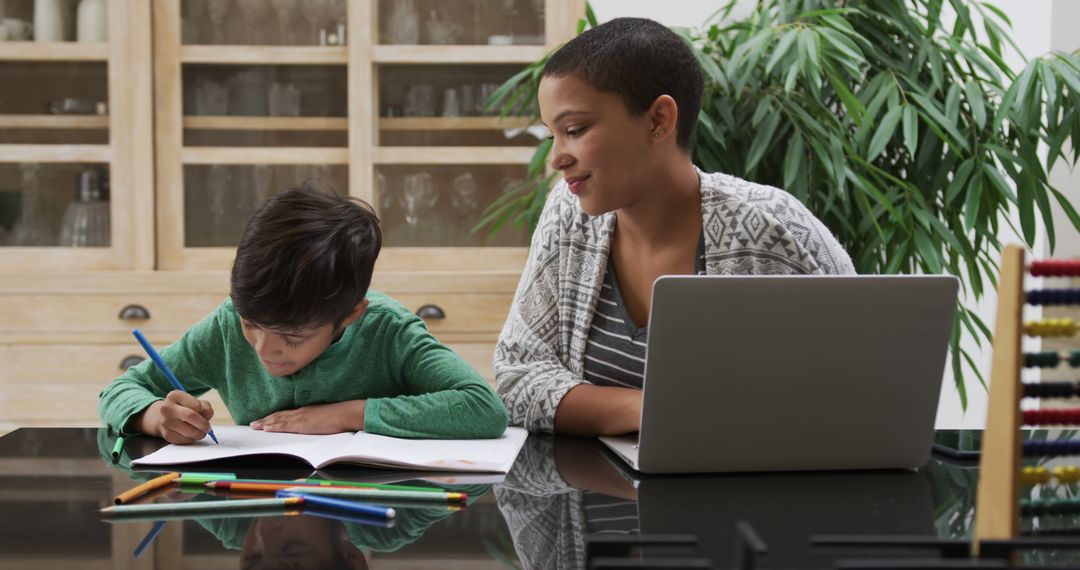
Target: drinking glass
(418, 197)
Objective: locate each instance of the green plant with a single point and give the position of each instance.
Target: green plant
(910, 138)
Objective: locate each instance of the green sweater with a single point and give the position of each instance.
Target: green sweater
(414, 385)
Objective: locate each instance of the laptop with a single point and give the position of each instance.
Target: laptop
(791, 373)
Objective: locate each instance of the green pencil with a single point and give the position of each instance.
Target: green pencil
(326, 482)
(118, 449)
(204, 506)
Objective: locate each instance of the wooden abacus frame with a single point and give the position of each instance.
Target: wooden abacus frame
(997, 507)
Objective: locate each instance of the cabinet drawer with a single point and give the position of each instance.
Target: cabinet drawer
(101, 314)
(479, 356)
(43, 384)
(464, 313)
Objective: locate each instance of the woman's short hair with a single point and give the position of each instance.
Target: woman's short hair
(639, 60)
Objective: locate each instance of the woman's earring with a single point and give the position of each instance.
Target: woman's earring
(656, 134)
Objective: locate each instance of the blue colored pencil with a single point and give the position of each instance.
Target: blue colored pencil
(149, 538)
(341, 505)
(164, 368)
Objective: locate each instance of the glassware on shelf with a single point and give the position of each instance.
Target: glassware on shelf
(219, 184)
(284, 100)
(217, 10)
(420, 100)
(77, 106)
(51, 20)
(211, 98)
(404, 23)
(479, 7)
(465, 204)
(91, 21)
(510, 11)
(383, 195)
(251, 14)
(314, 11)
(193, 21)
(441, 29)
(248, 93)
(285, 10)
(451, 103)
(339, 15)
(32, 228)
(418, 197)
(86, 220)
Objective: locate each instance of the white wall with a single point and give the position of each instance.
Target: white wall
(1038, 27)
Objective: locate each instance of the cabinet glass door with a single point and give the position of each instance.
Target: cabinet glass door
(253, 97)
(74, 135)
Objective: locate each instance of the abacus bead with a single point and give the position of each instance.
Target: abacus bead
(1070, 474)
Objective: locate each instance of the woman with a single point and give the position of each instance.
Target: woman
(621, 101)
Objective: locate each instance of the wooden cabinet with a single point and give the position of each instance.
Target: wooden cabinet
(208, 108)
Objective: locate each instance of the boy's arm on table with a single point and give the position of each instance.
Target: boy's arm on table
(446, 397)
(196, 359)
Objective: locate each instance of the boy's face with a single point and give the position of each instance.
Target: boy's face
(284, 352)
(298, 542)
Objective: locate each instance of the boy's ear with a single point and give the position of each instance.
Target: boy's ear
(356, 313)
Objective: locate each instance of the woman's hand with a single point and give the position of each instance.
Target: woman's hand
(316, 419)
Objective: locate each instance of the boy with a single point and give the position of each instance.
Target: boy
(302, 346)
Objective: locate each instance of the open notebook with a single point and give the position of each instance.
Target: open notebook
(360, 448)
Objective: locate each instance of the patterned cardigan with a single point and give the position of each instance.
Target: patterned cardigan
(750, 229)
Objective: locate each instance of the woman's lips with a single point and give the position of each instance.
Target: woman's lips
(574, 183)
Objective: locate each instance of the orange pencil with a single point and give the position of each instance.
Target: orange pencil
(155, 483)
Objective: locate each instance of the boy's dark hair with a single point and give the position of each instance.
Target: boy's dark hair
(305, 258)
(638, 60)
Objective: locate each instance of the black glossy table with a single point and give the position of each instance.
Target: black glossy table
(563, 497)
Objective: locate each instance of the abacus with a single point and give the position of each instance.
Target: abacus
(999, 508)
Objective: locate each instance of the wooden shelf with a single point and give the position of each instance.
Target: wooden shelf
(56, 51)
(457, 54)
(452, 123)
(217, 123)
(264, 55)
(452, 155)
(54, 122)
(55, 153)
(263, 155)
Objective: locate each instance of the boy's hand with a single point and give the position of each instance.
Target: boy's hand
(179, 418)
(316, 419)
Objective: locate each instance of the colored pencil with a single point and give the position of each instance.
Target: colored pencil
(149, 538)
(334, 490)
(333, 483)
(136, 492)
(378, 494)
(193, 514)
(164, 368)
(353, 507)
(118, 448)
(204, 506)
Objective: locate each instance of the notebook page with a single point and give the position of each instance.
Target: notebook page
(482, 455)
(239, 441)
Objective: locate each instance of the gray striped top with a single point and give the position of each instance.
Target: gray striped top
(615, 353)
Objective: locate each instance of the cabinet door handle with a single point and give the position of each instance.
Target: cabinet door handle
(431, 312)
(129, 361)
(133, 312)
